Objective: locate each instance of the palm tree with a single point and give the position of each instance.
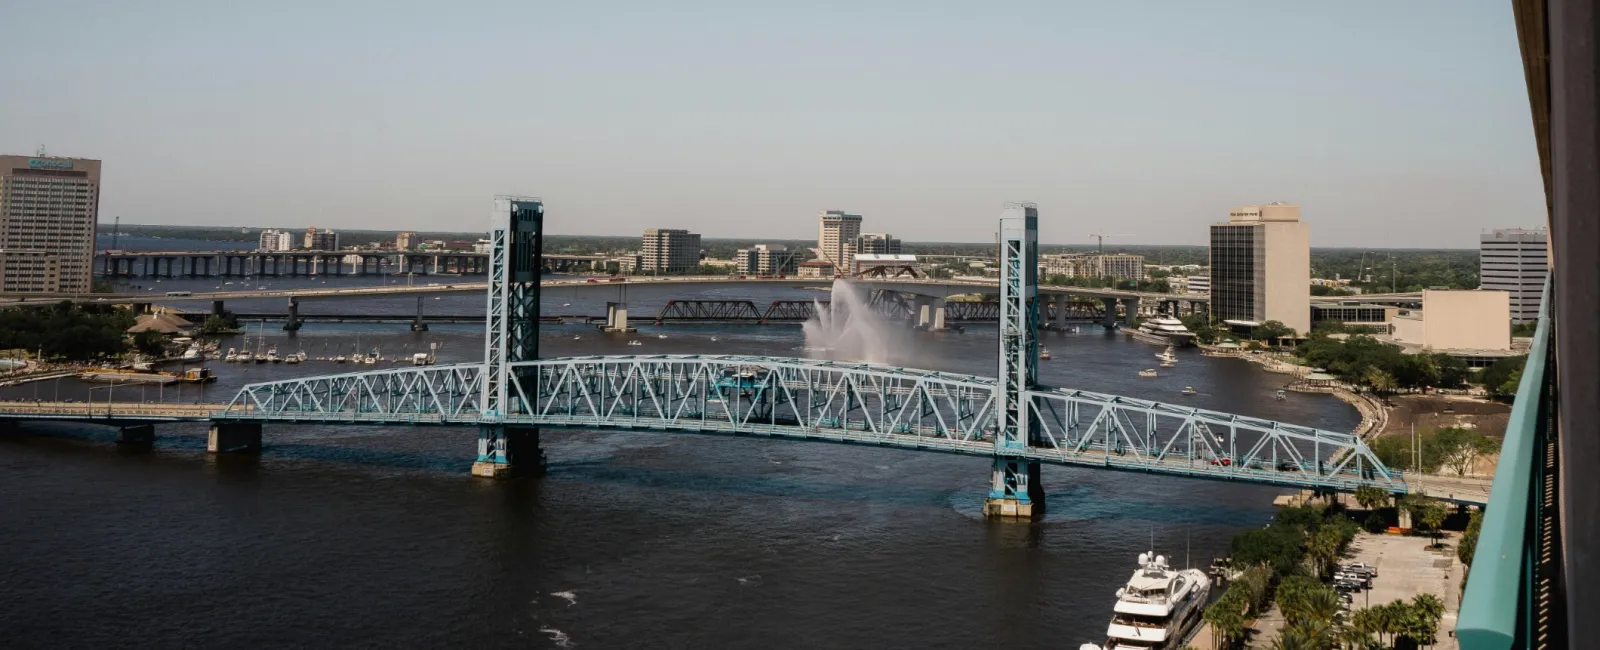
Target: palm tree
(1371, 497)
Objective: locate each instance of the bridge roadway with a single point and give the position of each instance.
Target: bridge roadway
(630, 285)
(801, 400)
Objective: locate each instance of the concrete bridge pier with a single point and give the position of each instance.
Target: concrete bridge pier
(1110, 305)
(294, 322)
(138, 434)
(1016, 491)
(416, 324)
(928, 313)
(234, 437)
(508, 452)
(1061, 313)
(617, 318)
(1130, 311)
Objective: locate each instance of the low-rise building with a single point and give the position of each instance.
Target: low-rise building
(815, 269)
(1197, 284)
(1353, 312)
(1473, 325)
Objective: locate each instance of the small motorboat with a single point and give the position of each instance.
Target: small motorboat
(713, 339)
(1189, 390)
(339, 359)
(1148, 372)
(1280, 394)
(634, 343)
(1044, 353)
(576, 338)
(566, 304)
(661, 336)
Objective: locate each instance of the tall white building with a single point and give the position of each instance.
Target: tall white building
(669, 250)
(1515, 261)
(274, 240)
(836, 237)
(49, 208)
(1261, 267)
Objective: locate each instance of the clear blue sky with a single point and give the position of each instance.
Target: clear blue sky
(1391, 123)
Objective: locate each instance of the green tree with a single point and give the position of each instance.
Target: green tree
(1271, 331)
(1509, 387)
(1469, 540)
(1496, 377)
(1227, 615)
(220, 324)
(150, 342)
(1371, 497)
(1379, 380)
(1276, 546)
(1427, 513)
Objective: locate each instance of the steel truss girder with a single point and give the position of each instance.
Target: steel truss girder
(808, 399)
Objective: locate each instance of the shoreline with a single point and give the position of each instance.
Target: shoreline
(1374, 417)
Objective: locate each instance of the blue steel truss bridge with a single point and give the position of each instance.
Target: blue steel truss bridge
(1012, 420)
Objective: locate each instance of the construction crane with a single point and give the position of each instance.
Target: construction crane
(1101, 247)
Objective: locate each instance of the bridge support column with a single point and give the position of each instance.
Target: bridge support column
(138, 434)
(508, 452)
(294, 322)
(1110, 305)
(1061, 312)
(617, 318)
(928, 313)
(416, 324)
(234, 437)
(1130, 311)
(1016, 491)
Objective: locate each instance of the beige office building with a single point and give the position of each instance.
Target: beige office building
(1457, 320)
(1261, 267)
(49, 208)
(836, 237)
(669, 250)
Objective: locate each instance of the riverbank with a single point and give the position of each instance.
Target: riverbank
(1374, 415)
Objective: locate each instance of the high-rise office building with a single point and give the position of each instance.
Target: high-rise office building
(877, 243)
(669, 250)
(764, 259)
(274, 240)
(836, 237)
(405, 241)
(322, 240)
(1515, 261)
(49, 207)
(1261, 267)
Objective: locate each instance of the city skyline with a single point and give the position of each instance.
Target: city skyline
(741, 123)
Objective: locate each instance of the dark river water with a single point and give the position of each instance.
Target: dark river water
(378, 537)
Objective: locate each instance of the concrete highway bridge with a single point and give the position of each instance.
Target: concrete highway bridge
(926, 298)
(208, 264)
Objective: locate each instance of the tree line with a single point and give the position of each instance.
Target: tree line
(69, 332)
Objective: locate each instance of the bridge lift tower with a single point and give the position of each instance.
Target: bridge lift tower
(1016, 490)
(511, 335)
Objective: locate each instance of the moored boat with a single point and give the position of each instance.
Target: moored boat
(1158, 607)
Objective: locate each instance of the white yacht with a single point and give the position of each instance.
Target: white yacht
(1163, 331)
(1157, 608)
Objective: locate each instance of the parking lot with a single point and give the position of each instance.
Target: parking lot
(1407, 567)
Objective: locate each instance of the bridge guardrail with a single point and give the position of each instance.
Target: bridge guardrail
(1500, 605)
